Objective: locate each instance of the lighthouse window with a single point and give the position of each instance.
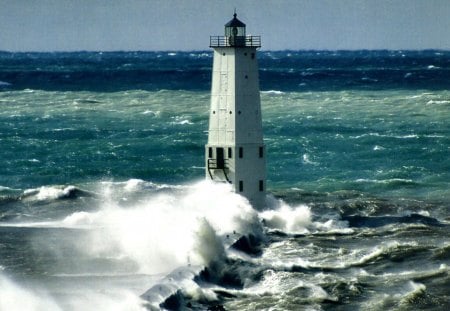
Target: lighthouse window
(241, 152)
(253, 55)
(246, 76)
(241, 186)
(261, 152)
(223, 54)
(230, 153)
(210, 151)
(261, 185)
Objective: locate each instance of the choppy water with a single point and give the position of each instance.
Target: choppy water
(103, 207)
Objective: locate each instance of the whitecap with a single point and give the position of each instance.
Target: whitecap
(182, 122)
(413, 291)
(133, 184)
(307, 160)
(369, 79)
(434, 136)
(406, 136)
(79, 219)
(272, 92)
(288, 219)
(185, 122)
(45, 193)
(332, 226)
(386, 181)
(3, 188)
(151, 112)
(279, 282)
(438, 102)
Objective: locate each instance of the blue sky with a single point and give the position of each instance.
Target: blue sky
(106, 25)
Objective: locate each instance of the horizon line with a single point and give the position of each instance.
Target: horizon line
(210, 50)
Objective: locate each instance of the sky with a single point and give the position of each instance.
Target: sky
(155, 25)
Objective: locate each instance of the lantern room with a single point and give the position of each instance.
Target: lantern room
(235, 28)
(235, 36)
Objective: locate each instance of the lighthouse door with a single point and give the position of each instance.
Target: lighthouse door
(220, 158)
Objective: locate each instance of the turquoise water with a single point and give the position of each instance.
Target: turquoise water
(391, 142)
(388, 143)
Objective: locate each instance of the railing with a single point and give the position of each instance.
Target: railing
(235, 41)
(213, 164)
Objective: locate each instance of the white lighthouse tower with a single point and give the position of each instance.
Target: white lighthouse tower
(235, 152)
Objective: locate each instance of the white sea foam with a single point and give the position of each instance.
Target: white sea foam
(181, 120)
(438, 102)
(112, 190)
(272, 92)
(407, 136)
(286, 255)
(403, 298)
(386, 181)
(288, 219)
(413, 290)
(282, 284)
(48, 193)
(134, 185)
(384, 248)
(417, 273)
(298, 220)
(152, 113)
(407, 75)
(3, 188)
(307, 160)
(332, 226)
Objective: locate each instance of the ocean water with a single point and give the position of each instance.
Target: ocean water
(103, 205)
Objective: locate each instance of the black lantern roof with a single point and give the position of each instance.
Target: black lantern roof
(235, 22)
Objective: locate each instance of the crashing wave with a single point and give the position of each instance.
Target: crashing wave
(49, 193)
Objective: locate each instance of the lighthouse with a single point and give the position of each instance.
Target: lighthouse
(235, 152)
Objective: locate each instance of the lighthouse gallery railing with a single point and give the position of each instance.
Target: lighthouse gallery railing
(235, 41)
